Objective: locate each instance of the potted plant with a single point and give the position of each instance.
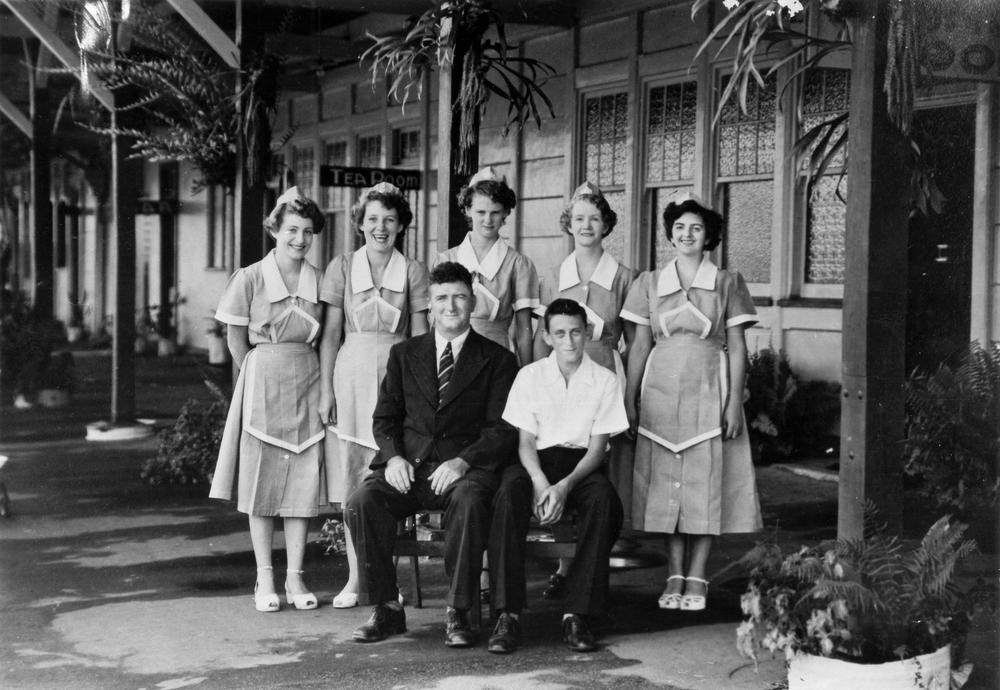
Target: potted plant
(57, 380)
(218, 348)
(26, 343)
(871, 612)
(74, 329)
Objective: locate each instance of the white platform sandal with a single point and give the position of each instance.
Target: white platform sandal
(670, 601)
(694, 602)
(302, 602)
(265, 603)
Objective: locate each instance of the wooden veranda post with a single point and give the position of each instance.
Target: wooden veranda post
(249, 202)
(451, 222)
(874, 289)
(43, 269)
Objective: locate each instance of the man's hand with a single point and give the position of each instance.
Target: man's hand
(399, 474)
(540, 487)
(448, 473)
(550, 508)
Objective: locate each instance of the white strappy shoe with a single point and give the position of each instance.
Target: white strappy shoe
(694, 602)
(302, 602)
(671, 600)
(265, 603)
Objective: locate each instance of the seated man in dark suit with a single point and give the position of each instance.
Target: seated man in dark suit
(442, 443)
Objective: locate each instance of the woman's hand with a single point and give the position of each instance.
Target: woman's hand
(732, 419)
(632, 413)
(327, 408)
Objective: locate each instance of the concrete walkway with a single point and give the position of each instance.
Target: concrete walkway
(106, 582)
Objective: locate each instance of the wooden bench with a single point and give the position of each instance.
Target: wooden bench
(422, 535)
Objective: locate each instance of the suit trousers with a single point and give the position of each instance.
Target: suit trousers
(374, 510)
(598, 521)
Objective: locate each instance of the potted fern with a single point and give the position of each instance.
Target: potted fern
(871, 612)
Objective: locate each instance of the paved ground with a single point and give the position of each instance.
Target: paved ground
(106, 582)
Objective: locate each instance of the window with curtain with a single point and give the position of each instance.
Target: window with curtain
(825, 96)
(606, 157)
(670, 147)
(745, 164)
(336, 204)
(370, 151)
(303, 165)
(219, 217)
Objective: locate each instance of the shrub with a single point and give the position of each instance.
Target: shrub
(787, 415)
(187, 451)
(953, 431)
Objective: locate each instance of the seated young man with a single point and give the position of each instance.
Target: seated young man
(565, 408)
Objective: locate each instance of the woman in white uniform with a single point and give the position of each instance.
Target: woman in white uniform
(271, 447)
(375, 297)
(504, 280)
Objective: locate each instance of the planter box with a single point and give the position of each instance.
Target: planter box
(53, 398)
(928, 672)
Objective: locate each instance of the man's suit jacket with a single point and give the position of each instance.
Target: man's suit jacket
(409, 422)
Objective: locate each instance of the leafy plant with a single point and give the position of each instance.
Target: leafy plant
(868, 600)
(488, 66)
(26, 344)
(182, 99)
(755, 31)
(787, 415)
(187, 451)
(953, 431)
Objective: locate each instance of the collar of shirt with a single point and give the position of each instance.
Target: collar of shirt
(670, 282)
(393, 278)
(604, 274)
(456, 344)
(490, 264)
(274, 285)
(583, 375)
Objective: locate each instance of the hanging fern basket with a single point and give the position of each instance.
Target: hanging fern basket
(927, 672)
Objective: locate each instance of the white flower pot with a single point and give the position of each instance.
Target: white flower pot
(927, 672)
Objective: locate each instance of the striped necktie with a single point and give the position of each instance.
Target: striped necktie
(445, 368)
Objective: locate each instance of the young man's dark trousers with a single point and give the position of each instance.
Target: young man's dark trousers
(597, 516)
(373, 512)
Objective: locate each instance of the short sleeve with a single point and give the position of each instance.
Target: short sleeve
(417, 282)
(519, 410)
(611, 418)
(548, 290)
(636, 306)
(739, 305)
(234, 306)
(525, 284)
(334, 282)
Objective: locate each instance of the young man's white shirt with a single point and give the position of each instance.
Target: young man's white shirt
(560, 414)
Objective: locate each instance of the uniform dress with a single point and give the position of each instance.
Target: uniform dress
(686, 478)
(504, 282)
(602, 298)
(271, 446)
(375, 318)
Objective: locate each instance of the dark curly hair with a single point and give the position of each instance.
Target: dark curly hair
(565, 307)
(608, 215)
(712, 220)
(396, 202)
(497, 192)
(302, 206)
(451, 272)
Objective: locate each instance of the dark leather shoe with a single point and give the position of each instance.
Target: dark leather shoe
(556, 588)
(577, 635)
(458, 633)
(506, 635)
(384, 621)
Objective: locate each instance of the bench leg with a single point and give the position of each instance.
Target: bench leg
(418, 599)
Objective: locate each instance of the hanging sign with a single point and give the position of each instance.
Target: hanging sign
(344, 176)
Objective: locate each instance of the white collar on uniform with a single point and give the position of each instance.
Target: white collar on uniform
(584, 373)
(670, 282)
(275, 288)
(604, 274)
(490, 264)
(394, 277)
